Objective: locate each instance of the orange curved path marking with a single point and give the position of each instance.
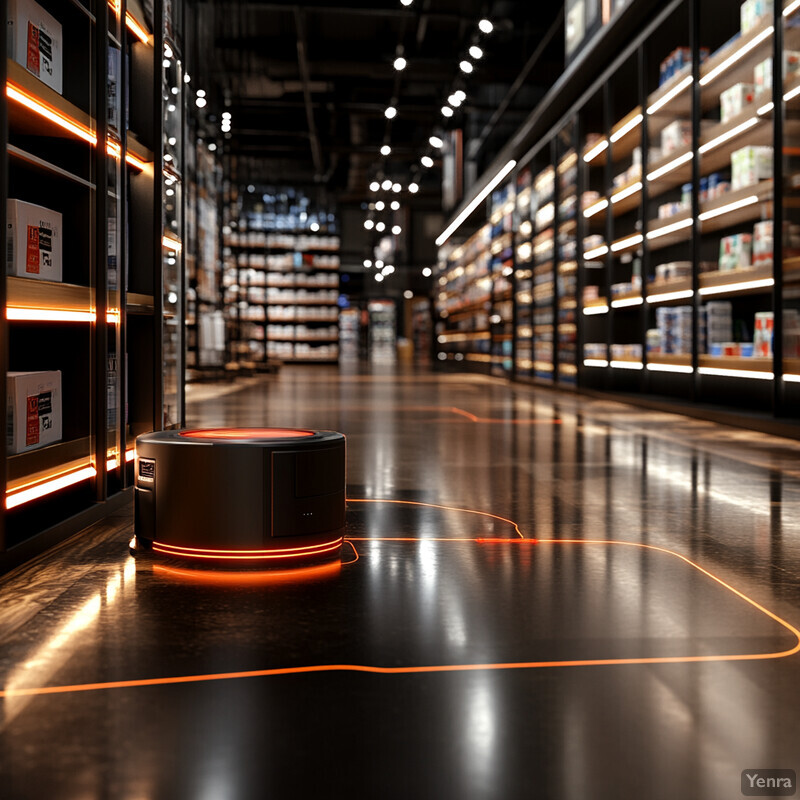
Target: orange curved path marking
(450, 668)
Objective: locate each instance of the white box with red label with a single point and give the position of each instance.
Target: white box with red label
(34, 410)
(35, 41)
(33, 241)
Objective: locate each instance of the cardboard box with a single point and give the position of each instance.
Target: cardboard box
(35, 41)
(34, 410)
(34, 241)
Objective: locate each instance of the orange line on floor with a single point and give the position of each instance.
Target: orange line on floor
(355, 552)
(449, 668)
(435, 505)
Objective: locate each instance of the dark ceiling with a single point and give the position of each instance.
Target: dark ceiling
(307, 85)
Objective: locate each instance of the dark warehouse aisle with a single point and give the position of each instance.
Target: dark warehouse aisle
(540, 595)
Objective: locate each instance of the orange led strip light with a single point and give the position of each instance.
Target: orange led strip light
(248, 555)
(58, 480)
(43, 109)
(449, 668)
(445, 508)
(25, 314)
(131, 22)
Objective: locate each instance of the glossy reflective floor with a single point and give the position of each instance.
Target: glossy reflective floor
(542, 596)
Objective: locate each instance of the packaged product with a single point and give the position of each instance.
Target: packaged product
(33, 248)
(762, 242)
(590, 293)
(791, 333)
(733, 100)
(653, 340)
(35, 41)
(589, 199)
(718, 324)
(762, 73)
(675, 326)
(752, 11)
(673, 269)
(675, 135)
(594, 350)
(762, 339)
(735, 251)
(34, 410)
(749, 165)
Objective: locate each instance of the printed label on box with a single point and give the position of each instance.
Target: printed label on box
(32, 257)
(33, 49)
(32, 427)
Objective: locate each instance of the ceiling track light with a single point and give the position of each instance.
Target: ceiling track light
(390, 113)
(436, 142)
(466, 66)
(427, 161)
(475, 52)
(485, 26)
(386, 150)
(447, 111)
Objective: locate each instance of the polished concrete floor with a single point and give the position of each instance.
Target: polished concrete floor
(542, 596)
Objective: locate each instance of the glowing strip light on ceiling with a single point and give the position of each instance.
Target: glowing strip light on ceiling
(790, 378)
(734, 57)
(671, 228)
(628, 241)
(717, 212)
(588, 311)
(626, 128)
(600, 147)
(171, 244)
(475, 202)
(669, 166)
(791, 8)
(736, 373)
(761, 283)
(624, 302)
(13, 92)
(664, 297)
(626, 192)
(595, 208)
(50, 486)
(672, 93)
(683, 368)
(729, 134)
(765, 109)
(595, 252)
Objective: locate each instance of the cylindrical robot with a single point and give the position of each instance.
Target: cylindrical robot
(267, 496)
